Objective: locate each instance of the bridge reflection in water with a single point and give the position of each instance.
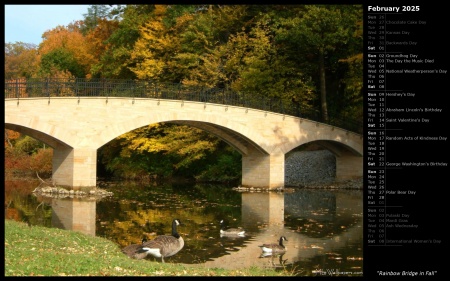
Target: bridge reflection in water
(74, 214)
(268, 209)
(263, 215)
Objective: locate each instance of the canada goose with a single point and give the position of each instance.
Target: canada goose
(230, 231)
(135, 250)
(274, 248)
(165, 245)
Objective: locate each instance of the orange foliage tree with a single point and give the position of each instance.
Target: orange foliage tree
(10, 137)
(97, 39)
(66, 49)
(21, 60)
(19, 162)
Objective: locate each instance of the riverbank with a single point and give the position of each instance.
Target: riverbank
(43, 251)
(303, 169)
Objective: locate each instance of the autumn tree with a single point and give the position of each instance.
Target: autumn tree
(21, 60)
(10, 138)
(308, 56)
(115, 61)
(203, 41)
(163, 150)
(98, 38)
(65, 49)
(157, 54)
(257, 66)
(95, 14)
(25, 155)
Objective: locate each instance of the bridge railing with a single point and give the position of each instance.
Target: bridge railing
(80, 87)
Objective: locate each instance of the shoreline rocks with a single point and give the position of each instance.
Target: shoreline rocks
(59, 192)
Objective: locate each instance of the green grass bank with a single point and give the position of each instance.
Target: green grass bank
(42, 251)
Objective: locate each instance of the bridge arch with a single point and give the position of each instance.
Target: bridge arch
(76, 127)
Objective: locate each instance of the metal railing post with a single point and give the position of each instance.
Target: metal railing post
(17, 88)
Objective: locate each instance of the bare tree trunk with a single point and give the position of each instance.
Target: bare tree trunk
(44, 182)
(323, 91)
(7, 139)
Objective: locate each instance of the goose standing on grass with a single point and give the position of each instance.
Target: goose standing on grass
(274, 248)
(230, 231)
(165, 245)
(135, 250)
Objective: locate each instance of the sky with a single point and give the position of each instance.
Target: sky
(27, 23)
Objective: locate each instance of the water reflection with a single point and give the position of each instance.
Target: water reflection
(275, 260)
(323, 227)
(74, 214)
(329, 221)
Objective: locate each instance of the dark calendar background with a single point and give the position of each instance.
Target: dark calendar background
(406, 147)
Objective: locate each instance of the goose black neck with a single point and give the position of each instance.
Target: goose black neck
(174, 230)
(222, 225)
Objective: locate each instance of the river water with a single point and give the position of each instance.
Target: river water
(324, 227)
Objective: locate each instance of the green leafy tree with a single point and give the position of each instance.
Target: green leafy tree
(225, 165)
(203, 43)
(62, 60)
(258, 68)
(94, 14)
(318, 33)
(351, 67)
(115, 61)
(28, 145)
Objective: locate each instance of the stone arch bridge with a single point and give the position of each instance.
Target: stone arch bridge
(75, 127)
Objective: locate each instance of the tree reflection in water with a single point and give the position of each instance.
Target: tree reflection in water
(323, 227)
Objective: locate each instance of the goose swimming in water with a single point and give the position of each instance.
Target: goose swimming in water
(230, 231)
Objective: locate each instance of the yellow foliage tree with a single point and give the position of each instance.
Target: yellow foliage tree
(156, 51)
